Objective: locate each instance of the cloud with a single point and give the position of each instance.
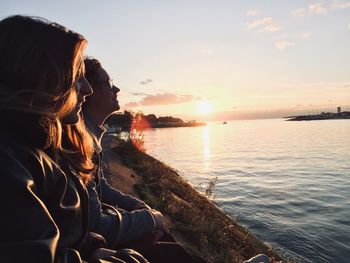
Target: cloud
(266, 24)
(300, 12)
(261, 22)
(305, 35)
(132, 104)
(349, 25)
(270, 28)
(161, 99)
(317, 9)
(145, 82)
(252, 12)
(320, 8)
(283, 44)
(336, 5)
(139, 94)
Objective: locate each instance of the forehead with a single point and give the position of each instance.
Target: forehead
(102, 75)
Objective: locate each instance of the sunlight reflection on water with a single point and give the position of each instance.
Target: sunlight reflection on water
(206, 148)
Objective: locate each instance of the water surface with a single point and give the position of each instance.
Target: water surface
(288, 182)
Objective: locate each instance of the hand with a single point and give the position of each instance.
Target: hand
(157, 234)
(159, 220)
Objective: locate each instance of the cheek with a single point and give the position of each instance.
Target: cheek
(111, 95)
(100, 98)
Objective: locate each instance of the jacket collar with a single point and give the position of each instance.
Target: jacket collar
(96, 131)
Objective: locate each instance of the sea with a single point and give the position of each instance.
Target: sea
(287, 182)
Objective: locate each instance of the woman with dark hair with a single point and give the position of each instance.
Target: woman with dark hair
(77, 160)
(129, 222)
(45, 211)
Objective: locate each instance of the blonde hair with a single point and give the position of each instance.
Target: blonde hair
(78, 149)
(40, 63)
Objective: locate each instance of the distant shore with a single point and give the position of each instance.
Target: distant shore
(127, 120)
(175, 125)
(322, 116)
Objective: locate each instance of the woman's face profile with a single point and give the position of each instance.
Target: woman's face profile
(83, 89)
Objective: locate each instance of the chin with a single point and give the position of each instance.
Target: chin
(116, 107)
(74, 120)
(71, 118)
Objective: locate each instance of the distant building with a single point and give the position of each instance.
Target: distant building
(339, 110)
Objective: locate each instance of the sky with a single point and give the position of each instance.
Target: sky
(214, 59)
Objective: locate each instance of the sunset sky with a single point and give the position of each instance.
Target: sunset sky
(214, 60)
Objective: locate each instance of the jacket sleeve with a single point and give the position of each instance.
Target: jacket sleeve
(107, 225)
(135, 224)
(114, 197)
(117, 227)
(28, 232)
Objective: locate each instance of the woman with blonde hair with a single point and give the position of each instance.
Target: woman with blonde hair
(44, 210)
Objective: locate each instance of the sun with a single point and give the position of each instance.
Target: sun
(204, 107)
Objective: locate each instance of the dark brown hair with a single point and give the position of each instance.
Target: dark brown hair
(92, 66)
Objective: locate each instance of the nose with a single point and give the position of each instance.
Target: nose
(85, 87)
(115, 89)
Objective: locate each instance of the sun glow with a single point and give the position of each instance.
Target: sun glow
(204, 107)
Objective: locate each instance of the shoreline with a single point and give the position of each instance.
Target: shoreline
(113, 129)
(323, 116)
(196, 222)
(177, 125)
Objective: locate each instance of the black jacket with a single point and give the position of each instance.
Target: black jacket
(43, 217)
